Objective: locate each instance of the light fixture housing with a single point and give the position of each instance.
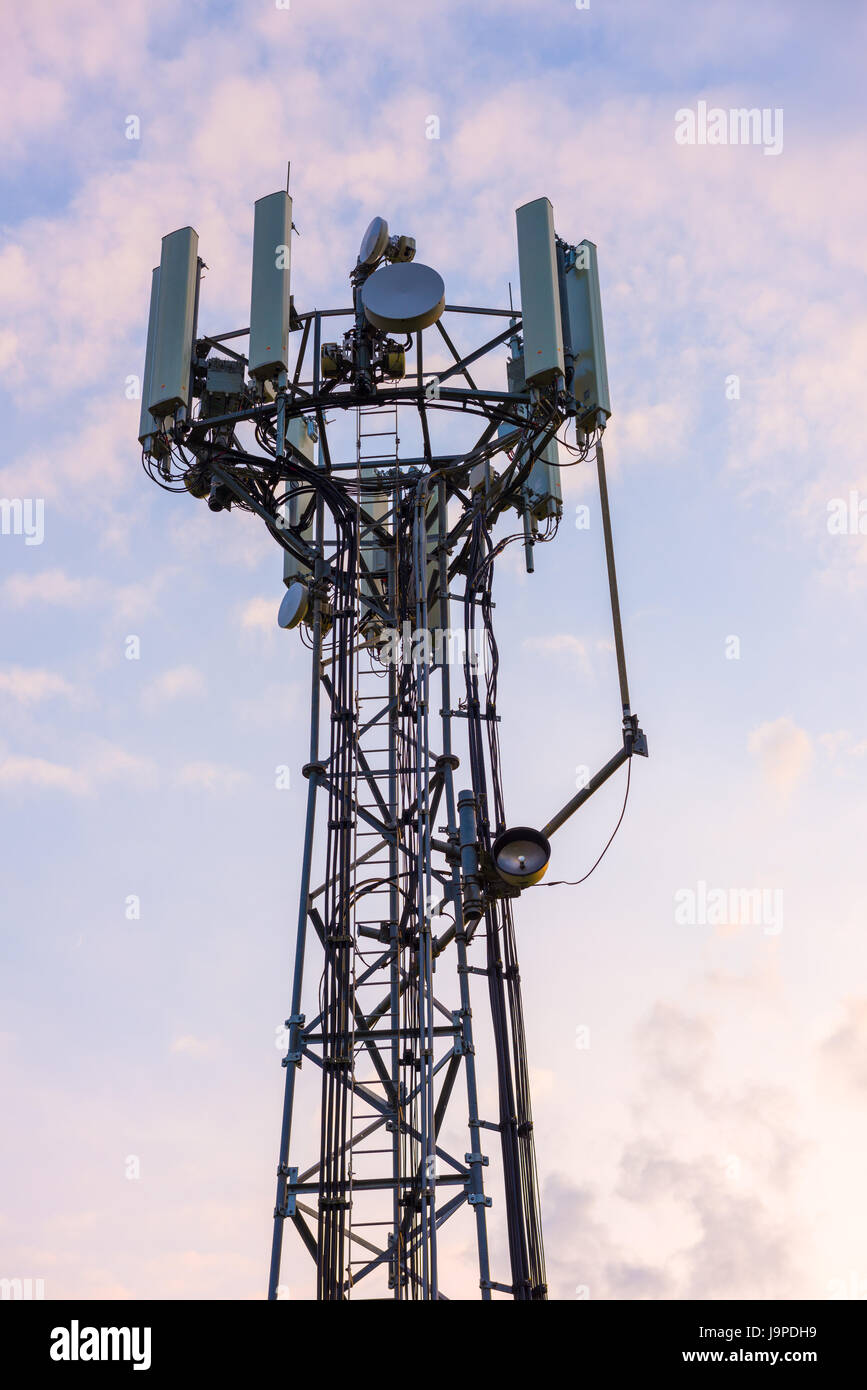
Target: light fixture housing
(521, 856)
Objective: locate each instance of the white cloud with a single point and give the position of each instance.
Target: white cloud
(840, 745)
(702, 1186)
(844, 1052)
(99, 763)
(179, 683)
(211, 777)
(190, 1046)
(274, 703)
(260, 614)
(30, 686)
(558, 642)
(22, 771)
(53, 587)
(563, 645)
(784, 751)
(106, 762)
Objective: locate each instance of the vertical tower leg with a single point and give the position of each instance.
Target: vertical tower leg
(295, 1020)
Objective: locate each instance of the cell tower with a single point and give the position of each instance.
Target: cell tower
(405, 951)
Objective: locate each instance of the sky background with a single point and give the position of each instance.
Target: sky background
(709, 1141)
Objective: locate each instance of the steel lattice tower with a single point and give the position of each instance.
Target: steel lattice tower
(407, 871)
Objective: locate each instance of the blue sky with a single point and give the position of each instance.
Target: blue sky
(706, 1144)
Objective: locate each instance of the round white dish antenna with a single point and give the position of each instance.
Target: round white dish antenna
(403, 298)
(294, 605)
(374, 242)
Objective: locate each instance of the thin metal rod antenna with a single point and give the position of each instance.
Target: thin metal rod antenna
(612, 580)
(634, 740)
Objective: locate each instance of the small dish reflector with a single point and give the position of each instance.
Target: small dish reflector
(521, 856)
(294, 605)
(403, 298)
(374, 241)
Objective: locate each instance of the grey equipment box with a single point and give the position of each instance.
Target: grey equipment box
(542, 488)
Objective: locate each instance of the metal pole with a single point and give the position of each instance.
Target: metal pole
(394, 904)
(295, 1023)
(593, 785)
(476, 1194)
(612, 580)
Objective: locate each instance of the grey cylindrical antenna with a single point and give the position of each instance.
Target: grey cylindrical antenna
(472, 895)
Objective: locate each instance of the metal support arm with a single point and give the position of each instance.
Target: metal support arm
(634, 741)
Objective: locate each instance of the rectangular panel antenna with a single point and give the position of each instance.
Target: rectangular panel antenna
(147, 425)
(437, 608)
(301, 433)
(269, 295)
(586, 339)
(176, 313)
(540, 292)
(542, 487)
